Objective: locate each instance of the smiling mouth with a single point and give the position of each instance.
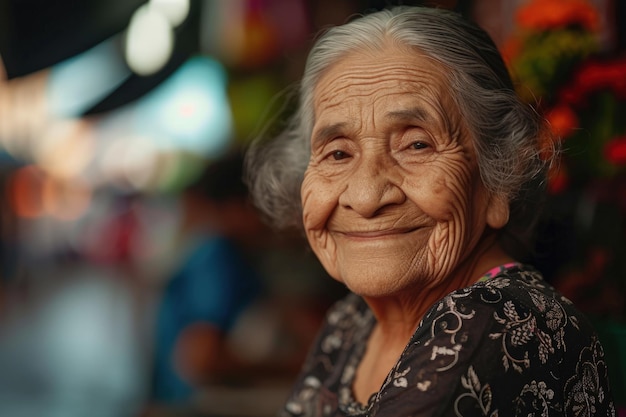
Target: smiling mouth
(377, 234)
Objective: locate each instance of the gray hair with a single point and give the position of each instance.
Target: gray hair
(508, 134)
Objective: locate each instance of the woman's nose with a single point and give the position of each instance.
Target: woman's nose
(370, 187)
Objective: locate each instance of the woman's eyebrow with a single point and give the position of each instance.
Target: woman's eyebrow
(326, 132)
(336, 129)
(405, 115)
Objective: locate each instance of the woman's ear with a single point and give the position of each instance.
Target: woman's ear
(498, 211)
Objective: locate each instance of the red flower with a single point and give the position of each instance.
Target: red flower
(550, 14)
(562, 120)
(594, 76)
(615, 150)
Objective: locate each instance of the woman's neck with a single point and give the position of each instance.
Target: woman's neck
(398, 317)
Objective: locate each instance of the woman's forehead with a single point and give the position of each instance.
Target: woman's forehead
(401, 69)
(394, 81)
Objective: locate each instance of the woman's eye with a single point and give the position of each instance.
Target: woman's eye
(419, 145)
(338, 155)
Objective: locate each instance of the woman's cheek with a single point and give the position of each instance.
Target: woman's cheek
(312, 216)
(443, 193)
(319, 200)
(318, 203)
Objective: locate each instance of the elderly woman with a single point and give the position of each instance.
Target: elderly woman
(411, 163)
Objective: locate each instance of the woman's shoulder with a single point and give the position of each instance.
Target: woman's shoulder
(525, 287)
(521, 287)
(513, 337)
(334, 353)
(516, 311)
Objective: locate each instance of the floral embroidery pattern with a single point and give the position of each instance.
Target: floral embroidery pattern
(509, 346)
(479, 393)
(399, 378)
(536, 399)
(517, 332)
(450, 322)
(585, 387)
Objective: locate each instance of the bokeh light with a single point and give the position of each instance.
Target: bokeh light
(80, 82)
(149, 41)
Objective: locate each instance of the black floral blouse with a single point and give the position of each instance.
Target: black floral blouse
(506, 346)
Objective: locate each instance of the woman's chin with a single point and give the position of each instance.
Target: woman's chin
(374, 280)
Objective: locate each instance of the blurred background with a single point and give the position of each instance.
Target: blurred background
(136, 280)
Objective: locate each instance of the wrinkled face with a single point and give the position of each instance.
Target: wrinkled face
(392, 196)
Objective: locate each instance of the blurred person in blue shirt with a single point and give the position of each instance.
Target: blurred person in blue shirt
(212, 285)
